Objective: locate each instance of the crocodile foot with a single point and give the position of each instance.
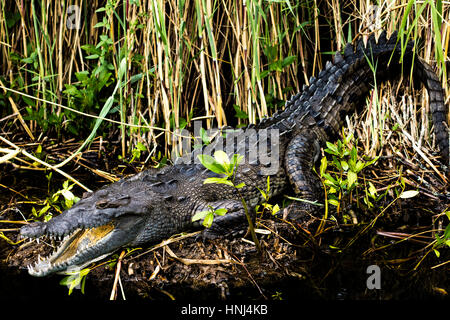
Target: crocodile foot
(304, 214)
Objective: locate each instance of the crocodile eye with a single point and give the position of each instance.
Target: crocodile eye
(101, 204)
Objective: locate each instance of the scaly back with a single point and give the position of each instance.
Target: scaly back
(344, 83)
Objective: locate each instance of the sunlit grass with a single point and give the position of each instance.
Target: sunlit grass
(185, 59)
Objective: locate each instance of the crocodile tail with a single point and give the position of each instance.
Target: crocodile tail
(438, 108)
(345, 82)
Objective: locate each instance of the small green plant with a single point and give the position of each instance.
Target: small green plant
(277, 296)
(221, 164)
(136, 152)
(208, 215)
(88, 94)
(443, 240)
(241, 115)
(55, 202)
(273, 209)
(348, 166)
(75, 279)
(205, 139)
(159, 159)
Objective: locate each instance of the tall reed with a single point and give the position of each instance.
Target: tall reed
(185, 60)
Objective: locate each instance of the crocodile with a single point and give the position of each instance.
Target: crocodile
(156, 204)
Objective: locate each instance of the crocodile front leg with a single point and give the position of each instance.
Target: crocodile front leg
(301, 154)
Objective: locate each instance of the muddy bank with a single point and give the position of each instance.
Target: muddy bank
(289, 268)
(294, 264)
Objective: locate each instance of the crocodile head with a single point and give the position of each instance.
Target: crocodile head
(116, 216)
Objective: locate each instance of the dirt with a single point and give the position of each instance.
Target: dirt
(289, 267)
(293, 264)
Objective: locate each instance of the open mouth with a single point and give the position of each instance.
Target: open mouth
(76, 250)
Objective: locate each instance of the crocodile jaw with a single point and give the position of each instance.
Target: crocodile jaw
(79, 249)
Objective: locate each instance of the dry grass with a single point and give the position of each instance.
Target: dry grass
(188, 59)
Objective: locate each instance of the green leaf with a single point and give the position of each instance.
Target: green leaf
(333, 202)
(236, 160)
(330, 178)
(82, 75)
(359, 166)
(344, 165)
(29, 101)
(371, 161)
(409, 194)
(240, 185)
(354, 154)
(44, 210)
(89, 48)
(67, 194)
(331, 149)
(239, 113)
(222, 158)
(211, 164)
(340, 147)
(395, 127)
(437, 253)
(265, 195)
(402, 182)
(275, 209)
(218, 180)
(323, 166)
(140, 146)
(352, 178)
(136, 77)
(122, 68)
(220, 211)
(206, 140)
(92, 56)
(208, 220)
(446, 234)
(199, 215)
(74, 279)
(348, 138)
(337, 163)
(288, 60)
(276, 66)
(71, 90)
(372, 190)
